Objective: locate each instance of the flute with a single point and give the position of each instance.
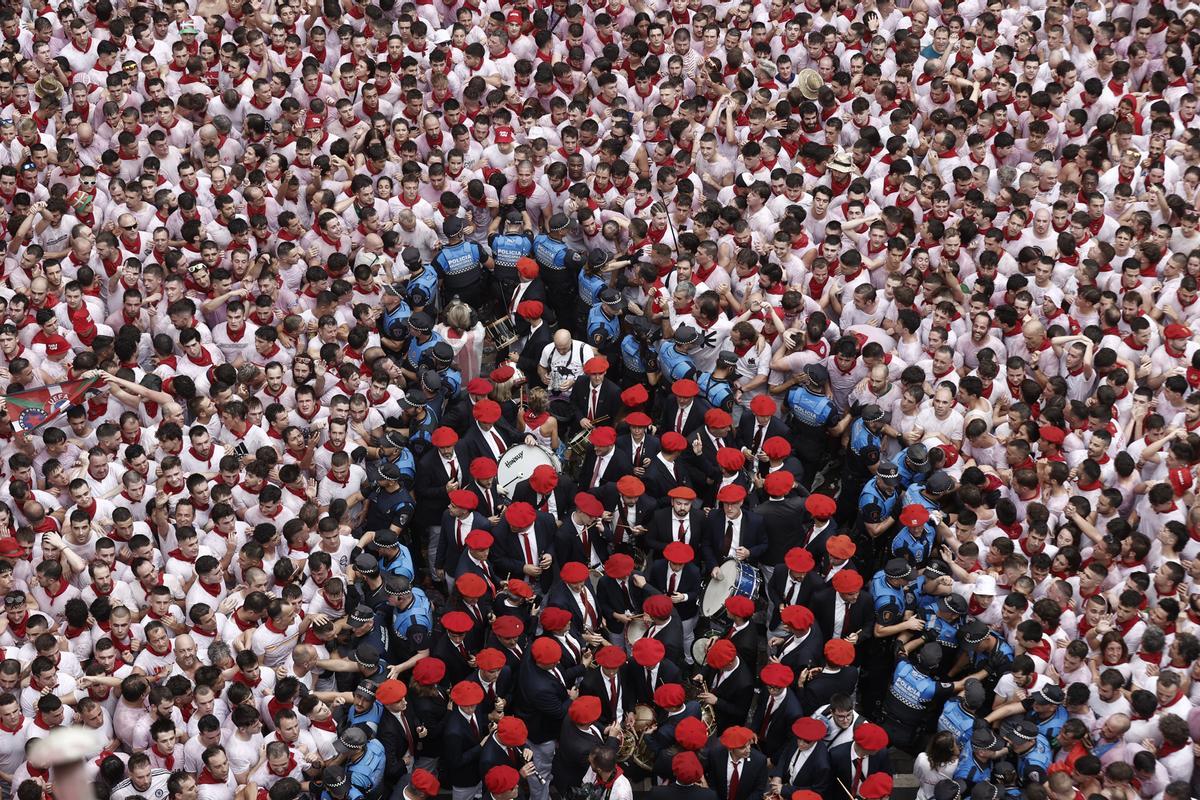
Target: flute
(528, 756)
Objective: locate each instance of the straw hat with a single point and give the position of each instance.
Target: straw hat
(809, 82)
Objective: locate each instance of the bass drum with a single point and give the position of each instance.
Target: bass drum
(736, 578)
(518, 463)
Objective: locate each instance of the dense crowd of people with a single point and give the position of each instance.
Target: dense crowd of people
(724, 401)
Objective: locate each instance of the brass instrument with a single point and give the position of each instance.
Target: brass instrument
(708, 714)
(634, 748)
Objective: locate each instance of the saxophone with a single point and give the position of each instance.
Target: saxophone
(708, 714)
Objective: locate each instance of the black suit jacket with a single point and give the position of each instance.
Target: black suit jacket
(689, 583)
(617, 467)
(809, 586)
(568, 545)
(779, 526)
(625, 540)
(495, 754)
(474, 446)
(643, 691)
(734, 694)
(673, 791)
(491, 502)
(457, 667)
(778, 729)
(860, 617)
(531, 353)
(544, 701)
(664, 529)
(820, 688)
(659, 480)
(752, 774)
(745, 431)
(509, 556)
(571, 755)
(564, 496)
(595, 684)
(706, 473)
(462, 748)
(429, 485)
(815, 773)
(608, 401)
(840, 763)
(650, 448)
(502, 689)
(613, 599)
(561, 596)
(810, 652)
(448, 548)
(396, 744)
(712, 544)
(693, 418)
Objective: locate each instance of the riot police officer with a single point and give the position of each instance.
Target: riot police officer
(960, 714)
(865, 449)
(813, 418)
(674, 359)
(512, 243)
(393, 322)
(460, 265)
(604, 323)
(422, 338)
(422, 285)
(915, 696)
(718, 387)
(559, 267)
(389, 504)
(878, 507)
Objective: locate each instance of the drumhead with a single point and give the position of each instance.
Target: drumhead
(519, 462)
(719, 589)
(700, 648)
(635, 629)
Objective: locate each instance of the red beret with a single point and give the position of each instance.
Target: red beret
(669, 695)
(685, 388)
(763, 406)
(779, 483)
(574, 572)
(870, 736)
(658, 606)
(466, 693)
(508, 626)
(610, 656)
(470, 585)
(730, 459)
(679, 553)
(527, 268)
(733, 493)
(444, 437)
(546, 651)
(554, 619)
(530, 309)
(739, 606)
(426, 782)
(486, 411)
(777, 675)
(543, 479)
(809, 729)
(502, 373)
(511, 731)
(634, 396)
(429, 670)
(464, 499)
(720, 654)
(588, 504)
(821, 506)
(798, 617)
(648, 652)
(638, 420)
(500, 779)
(1052, 434)
(603, 436)
(839, 652)
(596, 365)
(847, 581)
(585, 709)
(682, 493)
(477, 386)
(799, 560)
(717, 418)
(517, 587)
(391, 691)
(777, 448)
(685, 766)
(877, 786)
(619, 565)
(690, 732)
(631, 486)
(489, 658)
(483, 468)
(805, 794)
(479, 540)
(913, 515)
(840, 546)
(672, 442)
(457, 621)
(736, 736)
(520, 515)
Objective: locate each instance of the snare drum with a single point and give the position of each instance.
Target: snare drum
(700, 647)
(634, 629)
(502, 333)
(518, 463)
(736, 578)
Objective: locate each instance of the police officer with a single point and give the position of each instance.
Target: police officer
(419, 412)
(941, 625)
(718, 386)
(1030, 750)
(460, 265)
(929, 492)
(441, 359)
(591, 278)
(975, 762)
(960, 714)
(393, 320)
(335, 785)
(604, 323)
(639, 359)
(913, 463)
(559, 273)
(986, 655)
(893, 603)
(422, 337)
(513, 242)
(674, 360)
(813, 418)
(914, 695)
(422, 287)
(866, 445)
(914, 542)
(878, 508)
(389, 505)
(412, 618)
(394, 558)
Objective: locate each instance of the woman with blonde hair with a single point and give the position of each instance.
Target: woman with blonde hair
(465, 335)
(538, 426)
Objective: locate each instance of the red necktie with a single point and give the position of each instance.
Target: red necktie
(462, 648)
(679, 421)
(734, 780)
(793, 592)
(858, 777)
(588, 610)
(592, 403)
(845, 619)
(545, 504)
(499, 442)
(596, 472)
(474, 727)
(682, 531)
(458, 537)
(637, 456)
(762, 729)
(454, 470)
(528, 547)
(612, 694)
(671, 583)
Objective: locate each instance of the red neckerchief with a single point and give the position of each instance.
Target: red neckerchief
(168, 760)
